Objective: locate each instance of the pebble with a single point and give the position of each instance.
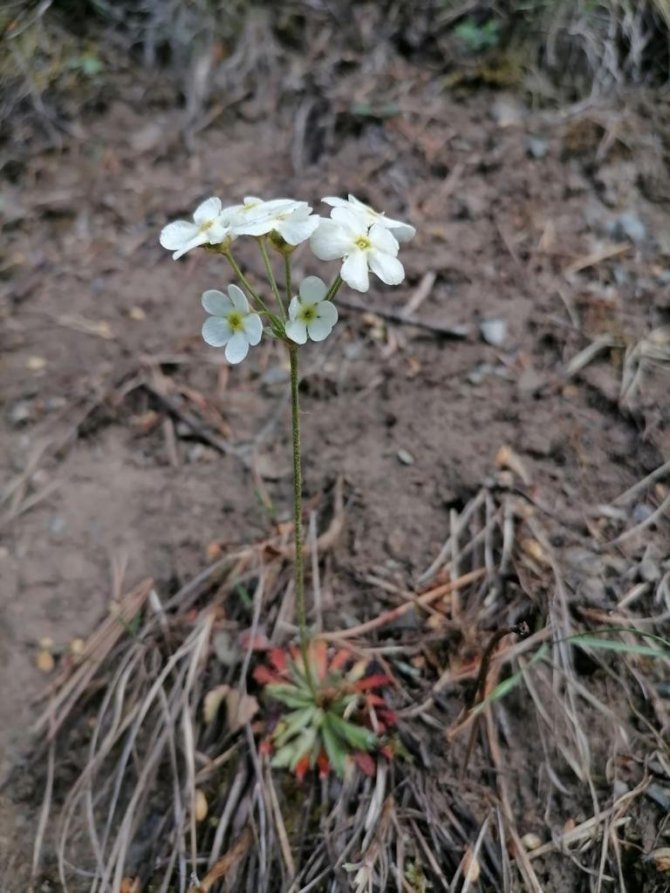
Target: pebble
(405, 457)
(57, 525)
(628, 226)
(531, 841)
(20, 413)
(641, 512)
(650, 572)
(536, 147)
(479, 373)
(494, 331)
(584, 560)
(530, 381)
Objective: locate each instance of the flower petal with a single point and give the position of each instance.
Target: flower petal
(208, 210)
(218, 232)
(387, 267)
(238, 298)
(196, 241)
(355, 223)
(330, 241)
(312, 290)
(237, 348)
(294, 307)
(294, 230)
(296, 330)
(253, 328)
(355, 271)
(335, 201)
(216, 303)
(328, 311)
(253, 226)
(402, 231)
(216, 331)
(175, 235)
(383, 239)
(319, 329)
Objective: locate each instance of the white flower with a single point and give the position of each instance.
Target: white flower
(308, 313)
(293, 220)
(210, 226)
(402, 231)
(346, 235)
(232, 323)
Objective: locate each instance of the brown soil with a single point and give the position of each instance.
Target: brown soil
(90, 301)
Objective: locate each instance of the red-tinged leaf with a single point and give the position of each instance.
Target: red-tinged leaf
(390, 717)
(377, 681)
(365, 763)
(251, 641)
(302, 767)
(318, 655)
(386, 751)
(265, 747)
(341, 658)
(277, 658)
(323, 764)
(265, 676)
(373, 700)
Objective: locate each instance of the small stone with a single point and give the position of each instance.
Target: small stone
(396, 543)
(36, 364)
(594, 592)
(641, 512)
(531, 841)
(405, 457)
(536, 147)
(584, 560)
(479, 373)
(137, 314)
(226, 648)
(45, 661)
(530, 382)
(57, 525)
(650, 570)
(201, 808)
(507, 111)
(20, 413)
(628, 226)
(494, 331)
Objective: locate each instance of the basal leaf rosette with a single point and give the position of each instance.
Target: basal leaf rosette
(342, 721)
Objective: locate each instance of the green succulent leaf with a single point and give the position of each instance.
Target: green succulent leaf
(294, 723)
(336, 753)
(356, 736)
(284, 757)
(303, 745)
(290, 695)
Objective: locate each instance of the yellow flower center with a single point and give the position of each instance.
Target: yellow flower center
(235, 321)
(308, 313)
(363, 243)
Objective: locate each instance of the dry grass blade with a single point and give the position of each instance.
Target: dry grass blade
(69, 687)
(227, 863)
(426, 598)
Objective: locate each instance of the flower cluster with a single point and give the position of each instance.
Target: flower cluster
(365, 240)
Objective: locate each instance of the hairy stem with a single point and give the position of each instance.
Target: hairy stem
(287, 278)
(297, 516)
